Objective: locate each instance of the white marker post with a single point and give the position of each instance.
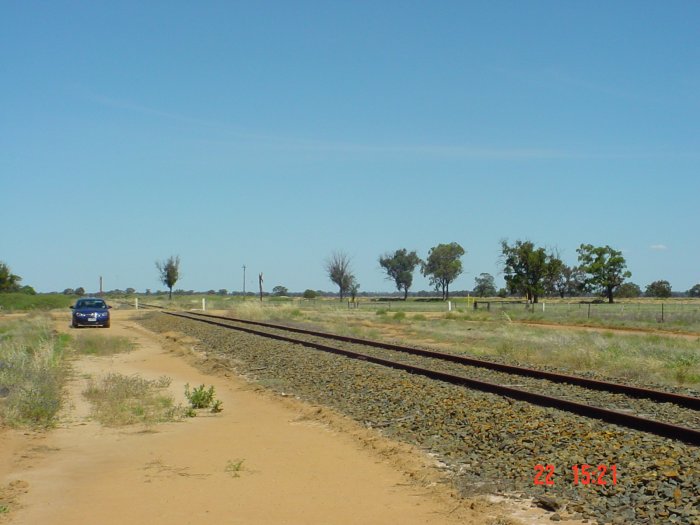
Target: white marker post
(136, 303)
(449, 306)
(204, 304)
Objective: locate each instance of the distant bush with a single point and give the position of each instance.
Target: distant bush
(310, 294)
(628, 291)
(22, 301)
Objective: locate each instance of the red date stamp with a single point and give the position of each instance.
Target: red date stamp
(582, 474)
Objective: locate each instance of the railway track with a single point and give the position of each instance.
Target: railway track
(662, 413)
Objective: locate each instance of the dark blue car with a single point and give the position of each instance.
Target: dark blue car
(90, 311)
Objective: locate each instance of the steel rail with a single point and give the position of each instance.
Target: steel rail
(593, 384)
(659, 428)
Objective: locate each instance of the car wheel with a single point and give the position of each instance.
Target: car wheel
(106, 325)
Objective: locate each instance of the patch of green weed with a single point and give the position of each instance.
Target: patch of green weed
(234, 467)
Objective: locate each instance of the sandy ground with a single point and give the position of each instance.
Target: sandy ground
(301, 464)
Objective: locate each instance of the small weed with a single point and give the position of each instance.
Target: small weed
(200, 397)
(381, 311)
(234, 467)
(418, 317)
(4, 509)
(399, 316)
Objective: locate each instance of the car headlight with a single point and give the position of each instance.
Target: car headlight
(78, 314)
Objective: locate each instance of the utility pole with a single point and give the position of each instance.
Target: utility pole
(100, 285)
(244, 280)
(260, 283)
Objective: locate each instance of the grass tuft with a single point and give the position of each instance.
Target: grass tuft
(99, 345)
(119, 400)
(32, 372)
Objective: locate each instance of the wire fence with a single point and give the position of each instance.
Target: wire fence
(679, 315)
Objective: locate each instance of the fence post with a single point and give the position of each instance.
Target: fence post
(543, 306)
(589, 310)
(449, 306)
(488, 306)
(476, 305)
(136, 303)
(204, 304)
(662, 312)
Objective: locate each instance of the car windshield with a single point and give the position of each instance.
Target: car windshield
(92, 303)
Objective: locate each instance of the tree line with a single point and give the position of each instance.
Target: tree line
(529, 271)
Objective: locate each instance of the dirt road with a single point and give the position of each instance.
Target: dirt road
(299, 464)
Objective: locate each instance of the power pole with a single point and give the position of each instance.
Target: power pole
(100, 285)
(260, 281)
(244, 280)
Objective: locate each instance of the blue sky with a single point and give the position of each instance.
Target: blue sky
(272, 133)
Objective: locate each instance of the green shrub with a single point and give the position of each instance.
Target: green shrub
(202, 397)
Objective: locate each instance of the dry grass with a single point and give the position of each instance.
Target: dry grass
(32, 372)
(101, 345)
(119, 400)
(644, 358)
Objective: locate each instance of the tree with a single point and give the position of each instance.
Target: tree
(528, 270)
(279, 290)
(339, 272)
(80, 291)
(605, 269)
(628, 291)
(169, 272)
(660, 289)
(9, 282)
(354, 288)
(443, 266)
(69, 291)
(130, 291)
(399, 268)
(222, 291)
(485, 285)
(569, 282)
(694, 291)
(310, 294)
